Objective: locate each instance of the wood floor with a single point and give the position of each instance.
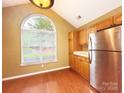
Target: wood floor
(64, 81)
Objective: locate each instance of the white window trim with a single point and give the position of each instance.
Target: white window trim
(33, 63)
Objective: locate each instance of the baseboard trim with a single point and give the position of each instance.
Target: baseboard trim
(34, 73)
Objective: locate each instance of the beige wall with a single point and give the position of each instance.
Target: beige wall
(12, 18)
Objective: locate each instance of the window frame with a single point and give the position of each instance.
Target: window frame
(22, 24)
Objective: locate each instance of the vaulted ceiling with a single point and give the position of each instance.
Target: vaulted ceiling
(76, 12)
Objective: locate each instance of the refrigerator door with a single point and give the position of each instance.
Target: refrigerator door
(109, 39)
(105, 71)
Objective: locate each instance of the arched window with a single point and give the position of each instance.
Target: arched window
(38, 40)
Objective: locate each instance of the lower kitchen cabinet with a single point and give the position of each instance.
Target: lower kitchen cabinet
(81, 65)
(85, 68)
(85, 71)
(72, 61)
(77, 64)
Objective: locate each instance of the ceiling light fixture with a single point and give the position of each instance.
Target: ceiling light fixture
(44, 4)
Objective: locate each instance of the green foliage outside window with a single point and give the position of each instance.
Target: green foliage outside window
(41, 23)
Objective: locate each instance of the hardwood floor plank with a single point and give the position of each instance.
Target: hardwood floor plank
(63, 81)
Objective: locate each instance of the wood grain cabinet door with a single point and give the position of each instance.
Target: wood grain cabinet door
(118, 19)
(105, 24)
(71, 61)
(86, 70)
(76, 64)
(73, 41)
(91, 29)
(82, 66)
(83, 37)
(71, 47)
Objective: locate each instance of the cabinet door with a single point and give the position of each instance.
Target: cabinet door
(83, 37)
(86, 70)
(71, 60)
(82, 66)
(105, 24)
(118, 19)
(73, 39)
(78, 66)
(90, 30)
(70, 35)
(76, 63)
(70, 40)
(71, 47)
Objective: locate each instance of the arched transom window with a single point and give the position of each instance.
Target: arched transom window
(38, 40)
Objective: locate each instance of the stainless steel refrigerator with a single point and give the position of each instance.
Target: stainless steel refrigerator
(105, 60)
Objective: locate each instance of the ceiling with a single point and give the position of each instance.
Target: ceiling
(76, 12)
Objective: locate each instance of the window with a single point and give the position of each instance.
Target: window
(38, 40)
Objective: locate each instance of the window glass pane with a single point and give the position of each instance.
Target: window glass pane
(38, 40)
(38, 22)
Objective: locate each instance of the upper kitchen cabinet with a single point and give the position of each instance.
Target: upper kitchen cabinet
(83, 37)
(91, 29)
(73, 41)
(118, 19)
(114, 20)
(105, 24)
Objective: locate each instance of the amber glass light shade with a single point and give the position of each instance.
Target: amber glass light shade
(45, 4)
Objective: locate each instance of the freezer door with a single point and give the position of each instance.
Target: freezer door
(109, 39)
(105, 71)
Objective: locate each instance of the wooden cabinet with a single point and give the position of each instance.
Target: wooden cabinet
(91, 29)
(85, 68)
(114, 20)
(77, 64)
(83, 37)
(118, 19)
(105, 24)
(73, 46)
(71, 61)
(81, 66)
(73, 41)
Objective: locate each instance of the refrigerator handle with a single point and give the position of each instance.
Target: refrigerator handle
(90, 51)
